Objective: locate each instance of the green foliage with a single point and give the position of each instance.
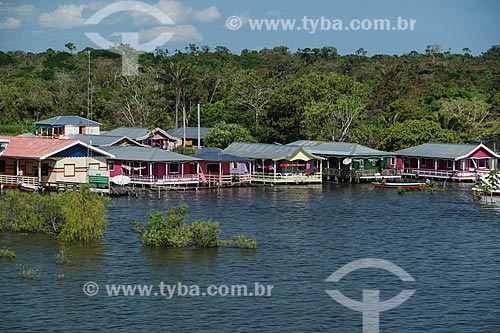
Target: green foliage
(9, 254)
(222, 135)
(278, 95)
(413, 133)
(71, 215)
(205, 233)
(240, 241)
(171, 230)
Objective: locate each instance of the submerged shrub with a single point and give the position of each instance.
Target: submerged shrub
(171, 230)
(71, 215)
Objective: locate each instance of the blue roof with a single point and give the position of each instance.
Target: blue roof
(191, 132)
(67, 120)
(216, 154)
(145, 154)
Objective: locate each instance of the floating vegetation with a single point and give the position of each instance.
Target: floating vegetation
(9, 254)
(62, 257)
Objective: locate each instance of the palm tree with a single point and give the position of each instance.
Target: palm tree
(177, 75)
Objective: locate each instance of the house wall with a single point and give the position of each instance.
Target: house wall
(72, 129)
(481, 153)
(74, 169)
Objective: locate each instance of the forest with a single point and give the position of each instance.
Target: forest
(387, 102)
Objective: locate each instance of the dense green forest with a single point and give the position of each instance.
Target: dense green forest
(384, 101)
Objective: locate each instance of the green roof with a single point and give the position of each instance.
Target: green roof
(340, 149)
(266, 151)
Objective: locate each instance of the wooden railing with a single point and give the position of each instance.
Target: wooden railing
(441, 174)
(165, 180)
(287, 178)
(16, 180)
(342, 173)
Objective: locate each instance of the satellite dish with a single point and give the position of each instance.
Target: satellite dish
(121, 180)
(347, 161)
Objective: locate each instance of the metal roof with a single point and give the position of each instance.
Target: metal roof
(442, 150)
(266, 151)
(101, 140)
(42, 148)
(67, 120)
(131, 132)
(341, 149)
(191, 132)
(145, 154)
(216, 154)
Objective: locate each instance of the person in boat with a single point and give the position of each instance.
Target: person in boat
(384, 181)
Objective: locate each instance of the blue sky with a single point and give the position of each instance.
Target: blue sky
(35, 26)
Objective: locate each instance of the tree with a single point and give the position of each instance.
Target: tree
(332, 121)
(413, 133)
(70, 46)
(223, 134)
(471, 117)
(177, 75)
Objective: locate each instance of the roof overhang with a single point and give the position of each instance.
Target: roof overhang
(495, 155)
(100, 151)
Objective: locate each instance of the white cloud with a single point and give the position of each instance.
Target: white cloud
(10, 23)
(185, 33)
(64, 17)
(207, 15)
(24, 10)
(179, 13)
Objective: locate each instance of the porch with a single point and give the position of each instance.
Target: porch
(368, 175)
(278, 178)
(457, 175)
(14, 181)
(177, 179)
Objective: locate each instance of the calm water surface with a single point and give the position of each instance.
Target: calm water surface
(448, 243)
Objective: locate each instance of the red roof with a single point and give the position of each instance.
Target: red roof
(35, 148)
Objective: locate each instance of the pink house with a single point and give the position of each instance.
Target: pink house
(445, 161)
(152, 166)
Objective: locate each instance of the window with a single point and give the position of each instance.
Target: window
(94, 166)
(69, 170)
(111, 165)
(234, 165)
(2, 166)
(422, 162)
(449, 164)
(212, 168)
(391, 161)
(45, 169)
(406, 162)
(173, 168)
(481, 163)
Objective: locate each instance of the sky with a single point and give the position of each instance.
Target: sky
(377, 26)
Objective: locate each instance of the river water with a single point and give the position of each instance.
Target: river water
(448, 243)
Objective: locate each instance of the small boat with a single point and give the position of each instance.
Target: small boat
(410, 186)
(28, 187)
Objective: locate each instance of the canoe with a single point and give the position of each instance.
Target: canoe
(409, 186)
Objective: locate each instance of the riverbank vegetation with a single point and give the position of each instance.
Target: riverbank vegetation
(171, 230)
(69, 216)
(273, 95)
